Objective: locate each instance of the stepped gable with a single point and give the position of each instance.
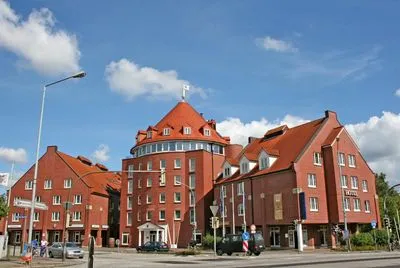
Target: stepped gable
(99, 182)
(183, 115)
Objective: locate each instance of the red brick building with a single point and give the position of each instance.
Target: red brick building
(61, 178)
(319, 158)
(170, 209)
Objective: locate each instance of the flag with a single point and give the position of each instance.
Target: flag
(186, 87)
(4, 178)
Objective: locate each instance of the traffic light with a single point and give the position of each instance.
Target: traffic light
(212, 222)
(294, 223)
(386, 222)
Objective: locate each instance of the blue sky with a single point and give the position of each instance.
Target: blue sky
(250, 64)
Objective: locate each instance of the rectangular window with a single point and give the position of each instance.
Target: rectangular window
(48, 184)
(125, 239)
(77, 199)
(129, 202)
(240, 188)
(192, 165)
(177, 180)
(138, 216)
(192, 216)
(357, 204)
(38, 199)
(28, 185)
(139, 200)
(166, 131)
(312, 180)
(162, 198)
(177, 163)
(130, 171)
(192, 181)
(129, 219)
(207, 132)
(149, 215)
(352, 160)
(367, 206)
(140, 166)
(161, 215)
(15, 217)
(162, 180)
(67, 183)
(192, 199)
(149, 199)
(313, 204)
(149, 182)
(341, 160)
(139, 183)
(227, 172)
(187, 130)
(55, 216)
(149, 134)
(177, 197)
(177, 214)
(56, 200)
(240, 209)
(223, 191)
(149, 165)
(244, 167)
(130, 186)
(354, 182)
(347, 204)
(36, 216)
(163, 163)
(76, 216)
(317, 159)
(343, 181)
(365, 186)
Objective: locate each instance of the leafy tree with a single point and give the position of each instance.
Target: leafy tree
(3, 206)
(392, 196)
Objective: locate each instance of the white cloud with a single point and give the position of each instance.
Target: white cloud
(379, 142)
(13, 155)
(397, 93)
(36, 41)
(239, 131)
(271, 44)
(131, 80)
(101, 154)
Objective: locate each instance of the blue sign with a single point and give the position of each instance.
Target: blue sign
(21, 217)
(245, 236)
(303, 209)
(373, 224)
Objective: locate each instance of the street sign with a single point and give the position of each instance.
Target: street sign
(21, 217)
(214, 210)
(23, 203)
(253, 229)
(245, 245)
(373, 224)
(245, 236)
(345, 234)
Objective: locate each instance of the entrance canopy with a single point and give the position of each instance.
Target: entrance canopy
(148, 226)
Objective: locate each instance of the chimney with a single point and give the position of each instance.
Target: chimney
(251, 139)
(52, 149)
(330, 114)
(212, 123)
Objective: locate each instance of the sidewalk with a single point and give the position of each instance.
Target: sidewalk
(39, 262)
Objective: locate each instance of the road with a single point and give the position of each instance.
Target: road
(267, 259)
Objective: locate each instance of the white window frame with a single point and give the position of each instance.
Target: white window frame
(139, 183)
(149, 182)
(223, 190)
(159, 215)
(314, 206)
(149, 165)
(16, 217)
(192, 181)
(352, 160)
(244, 167)
(354, 182)
(129, 218)
(163, 163)
(130, 171)
(187, 130)
(29, 185)
(317, 159)
(176, 194)
(76, 216)
(149, 199)
(357, 204)
(207, 132)
(166, 131)
(177, 163)
(343, 181)
(347, 204)
(38, 198)
(367, 205)
(130, 187)
(57, 200)
(123, 237)
(36, 217)
(177, 180)
(342, 159)
(149, 134)
(364, 186)
(240, 188)
(139, 200)
(240, 209)
(312, 180)
(129, 202)
(175, 214)
(138, 217)
(77, 199)
(227, 172)
(55, 216)
(192, 164)
(160, 199)
(192, 198)
(48, 184)
(67, 183)
(149, 213)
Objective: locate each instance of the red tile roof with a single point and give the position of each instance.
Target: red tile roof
(287, 146)
(99, 182)
(184, 115)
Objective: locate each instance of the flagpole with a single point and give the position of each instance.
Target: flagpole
(8, 205)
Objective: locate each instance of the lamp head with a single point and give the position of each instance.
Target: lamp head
(81, 74)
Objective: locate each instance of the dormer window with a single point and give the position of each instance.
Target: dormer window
(187, 130)
(149, 134)
(244, 167)
(263, 160)
(207, 132)
(227, 172)
(166, 131)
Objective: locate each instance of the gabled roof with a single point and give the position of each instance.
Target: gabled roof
(99, 182)
(183, 115)
(288, 145)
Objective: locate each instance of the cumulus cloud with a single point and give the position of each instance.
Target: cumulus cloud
(379, 142)
(131, 80)
(239, 131)
(13, 155)
(36, 41)
(397, 93)
(101, 154)
(276, 45)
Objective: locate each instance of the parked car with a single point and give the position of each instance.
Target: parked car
(234, 243)
(153, 246)
(71, 250)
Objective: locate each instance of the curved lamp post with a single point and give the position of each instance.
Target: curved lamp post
(77, 75)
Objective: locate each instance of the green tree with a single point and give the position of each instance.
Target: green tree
(3, 206)
(392, 196)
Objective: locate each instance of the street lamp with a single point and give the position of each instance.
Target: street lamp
(77, 75)
(346, 231)
(192, 192)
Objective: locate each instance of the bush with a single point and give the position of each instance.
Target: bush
(362, 239)
(208, 241)
(381, 237)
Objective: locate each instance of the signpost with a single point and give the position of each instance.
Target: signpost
(23, 203)
(214, 210)
(245, 244)
(373, 225)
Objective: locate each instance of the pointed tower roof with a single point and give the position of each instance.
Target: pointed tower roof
(181, 116)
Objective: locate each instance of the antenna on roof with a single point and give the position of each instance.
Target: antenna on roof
(185, 87)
